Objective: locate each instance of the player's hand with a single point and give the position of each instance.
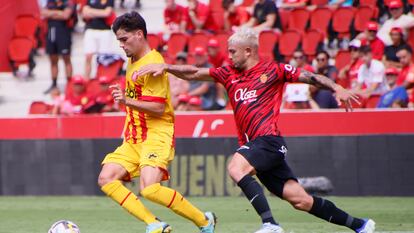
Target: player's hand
(118, 94)
(153, 69)
(344, 96)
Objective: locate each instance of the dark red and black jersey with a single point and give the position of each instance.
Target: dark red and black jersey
(256, 96)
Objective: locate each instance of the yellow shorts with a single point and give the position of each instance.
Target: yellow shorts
(135, 156)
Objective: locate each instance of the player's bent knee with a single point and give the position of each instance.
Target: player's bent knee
(104, 179)
(303, 204)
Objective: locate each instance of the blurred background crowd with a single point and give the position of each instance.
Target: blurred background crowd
(365, 45)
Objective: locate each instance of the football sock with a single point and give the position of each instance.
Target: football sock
(255, 195)
(119, 193)
(54, 82)
(175, 201)
(327, 210)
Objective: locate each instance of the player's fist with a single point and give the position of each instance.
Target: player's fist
(118, 94)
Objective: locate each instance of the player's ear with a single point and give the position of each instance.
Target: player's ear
(248, 51)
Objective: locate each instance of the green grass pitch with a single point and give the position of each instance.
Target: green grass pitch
(102, 215)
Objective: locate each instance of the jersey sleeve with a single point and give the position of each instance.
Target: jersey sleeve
(219, 74)
(155, 89)
(289, 72)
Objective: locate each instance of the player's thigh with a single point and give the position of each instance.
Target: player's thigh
(150, 175)
(296, 195)
(110, 172)
(239, 166)
(157, 154)
(127, 157)
(275, 179)
(90, 45)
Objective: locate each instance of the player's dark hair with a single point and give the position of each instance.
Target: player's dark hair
(365, 49)
(226, 3)
(129, 22)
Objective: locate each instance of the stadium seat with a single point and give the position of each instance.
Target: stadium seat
(218, 17)
(267, 42)
(196, 40)
(363, 15)
(288, 43)
(368, 3)
(40, 107)
(248, 3)
(298, 19)
(320, 18)
(175, 44)
(319, 2)
(215, 5)
(410, 38)
(341, 21)
(20, 51)
(284, 18)
(111, 70)
(411, 2)
(27, 26)
(310, 42)
(343, 57)
(222, 39)
(153, 40)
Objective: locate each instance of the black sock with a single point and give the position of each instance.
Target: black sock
(255, 195)
(54, 82)
(327, 210)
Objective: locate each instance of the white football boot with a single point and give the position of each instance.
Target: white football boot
(270, 228)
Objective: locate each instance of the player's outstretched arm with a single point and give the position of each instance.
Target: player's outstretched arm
(342, 95)
(186, 72)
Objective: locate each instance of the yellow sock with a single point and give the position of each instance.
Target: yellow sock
(119, 193)
(175, 201)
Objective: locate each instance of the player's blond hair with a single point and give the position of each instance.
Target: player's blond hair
(246, 36)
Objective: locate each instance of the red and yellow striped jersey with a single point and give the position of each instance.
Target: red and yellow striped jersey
(140, 126)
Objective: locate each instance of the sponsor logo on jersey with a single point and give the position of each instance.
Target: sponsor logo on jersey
(283, 150)
(152, 156)
(245, 95)
(130, 91)
(263, 78)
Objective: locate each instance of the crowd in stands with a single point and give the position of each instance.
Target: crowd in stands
(364, 45)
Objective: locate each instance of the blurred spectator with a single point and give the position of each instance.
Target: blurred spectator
(59, 36)
(323, 98)
(396, 96)
(98, 16)
(298, 96)
(265, 16)
(178, 86)
(348, 75)
(371, 39)
(77, 99)
(300, 61)
(406, 75)
(58, 99)
(136, 5)
(103, 101)
(234, 16)
(215, 57)
(201, 95)
(323, 67)
(340, 3)
(371, 75)
(291, 4)
(198, 17)
(390, 52)
(398, 19)
(173, 16)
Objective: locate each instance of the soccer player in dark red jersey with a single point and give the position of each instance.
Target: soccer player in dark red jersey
(255, 90)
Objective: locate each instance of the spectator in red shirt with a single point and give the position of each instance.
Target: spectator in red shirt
(173, 15)
(103, 100)
(234, 16)
(198, 17)
(371, 39)
(348, 75)
(215, 57)
(300, 61)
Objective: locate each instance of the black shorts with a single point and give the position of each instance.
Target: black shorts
(267, 155)
(59, 41)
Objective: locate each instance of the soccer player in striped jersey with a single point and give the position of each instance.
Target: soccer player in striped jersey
(148, 145)
(255, 91)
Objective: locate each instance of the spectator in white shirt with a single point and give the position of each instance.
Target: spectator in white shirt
(398, 19)
(371, 75)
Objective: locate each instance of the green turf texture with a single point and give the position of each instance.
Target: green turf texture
(102, 215)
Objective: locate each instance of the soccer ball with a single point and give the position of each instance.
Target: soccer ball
(64, 226)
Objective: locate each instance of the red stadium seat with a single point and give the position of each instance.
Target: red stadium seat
(111, 70)
(218, 17)
(410, 38)
(320, 18)
(411, 2)
(319, 2)
(40, 107)
(363, 15)
(284, 18)
(176, 43)
(288, 43)
(215, 5)
(248, 3)
(222, 39)
(298, 19)
(343, 57)
(20, 51)
(267, 41)
(27, 26)
(154, 40)
(341, 21)
(310, 42)
(196, 40)
(368, 3)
